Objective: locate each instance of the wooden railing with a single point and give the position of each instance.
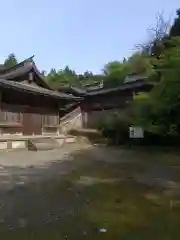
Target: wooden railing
(50, 120)
(15, 114)
(7, 116)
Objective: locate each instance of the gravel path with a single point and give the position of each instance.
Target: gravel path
(25, 175)
(21, 167)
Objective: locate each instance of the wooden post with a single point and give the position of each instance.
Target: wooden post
(31, 76)
(9, 144)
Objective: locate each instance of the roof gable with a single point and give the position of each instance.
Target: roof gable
(22, 69)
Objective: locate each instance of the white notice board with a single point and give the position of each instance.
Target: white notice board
(136, 132)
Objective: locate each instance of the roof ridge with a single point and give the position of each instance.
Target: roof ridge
(27, 60)
(31, 64)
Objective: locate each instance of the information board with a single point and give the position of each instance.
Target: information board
(136, 132)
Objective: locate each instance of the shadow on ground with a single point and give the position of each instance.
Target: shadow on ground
(101, 193)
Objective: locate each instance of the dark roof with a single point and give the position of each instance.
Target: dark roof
(7, 69)
(134, 77)
(21, 69)
(2, 67)
(124, 87)
(92, 84)
(72, 90)
(79, 91)
(69, 107)
(139, 83)
(4, 83)
(94, 88)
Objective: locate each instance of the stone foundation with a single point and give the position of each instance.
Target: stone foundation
(12, 142)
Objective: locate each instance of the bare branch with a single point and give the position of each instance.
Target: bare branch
(161, 28)
(156, 34)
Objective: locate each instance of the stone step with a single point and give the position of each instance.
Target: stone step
(49, 144)
(42, 144)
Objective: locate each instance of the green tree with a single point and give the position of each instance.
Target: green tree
(61, 77)
(175, 29)
(140, 63)
(115, 73)
(161, 111)
(10, 61)
(67, 76)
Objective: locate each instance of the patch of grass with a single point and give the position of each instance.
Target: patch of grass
(125, 212)
(126, 209)
(161, 155)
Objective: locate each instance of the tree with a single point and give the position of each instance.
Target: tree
(88, 74)
(43, 73)
(67, 76)
(158, 34)
(115, 73)
(61, 77)
(10, 61)
(140, 63)
(161, 112)
(175, 29)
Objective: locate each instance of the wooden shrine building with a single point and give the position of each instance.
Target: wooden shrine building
(98, 102)
(28, 105)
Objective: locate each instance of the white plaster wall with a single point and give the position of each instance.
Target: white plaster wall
(3, 145)
(18, 144)
(60, 141)
(70, 140)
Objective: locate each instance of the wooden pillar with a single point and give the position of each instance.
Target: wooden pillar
(30, 77)
(0, 96)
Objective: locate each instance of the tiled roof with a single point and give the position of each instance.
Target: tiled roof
(72, 90)
(21, 69)
(124, 87)
(35, 90)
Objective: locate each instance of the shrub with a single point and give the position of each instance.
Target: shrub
(115, 128)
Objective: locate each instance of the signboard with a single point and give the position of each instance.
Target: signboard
(136, 132)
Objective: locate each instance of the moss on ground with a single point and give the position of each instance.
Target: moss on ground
(126, 209)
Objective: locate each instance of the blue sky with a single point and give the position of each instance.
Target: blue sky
(84, 34)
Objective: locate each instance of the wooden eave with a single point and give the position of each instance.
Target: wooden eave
(72, 90)
(126, 87)
(28, 88)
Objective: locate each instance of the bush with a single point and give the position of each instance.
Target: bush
(115, 128)
(152, 139)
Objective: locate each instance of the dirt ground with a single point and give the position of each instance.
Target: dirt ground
(90, 192)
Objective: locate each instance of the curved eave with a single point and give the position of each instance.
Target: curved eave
(36, 71)
(12, 85)
(125, 87)
(72, 90)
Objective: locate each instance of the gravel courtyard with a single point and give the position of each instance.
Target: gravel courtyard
(89, 192)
